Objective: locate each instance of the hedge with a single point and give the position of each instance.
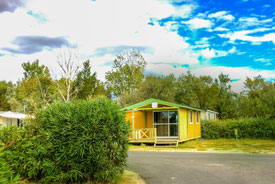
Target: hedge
(256, 128)
(72, 143)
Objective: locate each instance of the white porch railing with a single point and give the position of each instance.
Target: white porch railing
(143, 134)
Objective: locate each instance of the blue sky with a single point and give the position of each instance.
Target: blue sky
(174, 36)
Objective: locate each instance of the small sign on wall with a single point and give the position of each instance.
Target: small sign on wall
(155, 105)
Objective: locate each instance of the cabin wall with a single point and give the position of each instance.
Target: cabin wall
(183, 134)
(194, 127)
(138, 119)
(3, 121)
(197, 125)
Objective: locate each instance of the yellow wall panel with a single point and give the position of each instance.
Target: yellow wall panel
(191, 127)
(138, 119)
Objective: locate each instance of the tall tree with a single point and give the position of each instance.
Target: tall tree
(87, 84)
(127, 73)
(159, 87)
(226, 104)
(35, 90)
(68, 61)
(4, 95)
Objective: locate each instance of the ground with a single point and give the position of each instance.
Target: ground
(218, 145)
(207, 168)
(130, 177)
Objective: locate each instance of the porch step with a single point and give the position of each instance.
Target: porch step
(166, 143)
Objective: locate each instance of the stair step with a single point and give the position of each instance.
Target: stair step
(166, 146)
(166, 142)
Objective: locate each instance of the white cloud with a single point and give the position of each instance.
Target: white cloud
(185, 10)
(211, 53)
(221, 29)
(222, 15)
(243, 35)
(198, 23)
(253, 21)
(217, 14)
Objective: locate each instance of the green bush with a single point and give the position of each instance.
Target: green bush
(22, 149)
(88, 141)
(256, 128)
(7, 175)
(69, 143)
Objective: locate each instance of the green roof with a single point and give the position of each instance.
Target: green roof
(151, 100)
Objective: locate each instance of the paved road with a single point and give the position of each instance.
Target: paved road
(204, 168)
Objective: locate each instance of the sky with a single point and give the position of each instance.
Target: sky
(235, 37)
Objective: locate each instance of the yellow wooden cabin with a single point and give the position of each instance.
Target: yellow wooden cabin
(153, 120)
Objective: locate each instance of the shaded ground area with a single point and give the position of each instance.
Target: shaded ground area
(205, 168)
(219, 145)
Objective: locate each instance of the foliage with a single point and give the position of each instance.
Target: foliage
(255, 128)
(23, 150)
(158, 87)
(7, 175)
(86, 83)
(68, 143)
(4, 95)
(88, 140)
(127, 73)
(35, 90)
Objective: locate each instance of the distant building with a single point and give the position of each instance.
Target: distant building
(209, 115)
(8, 118)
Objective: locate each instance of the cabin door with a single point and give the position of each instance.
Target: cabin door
(166, 123)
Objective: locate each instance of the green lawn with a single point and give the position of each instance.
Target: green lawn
(218, 145)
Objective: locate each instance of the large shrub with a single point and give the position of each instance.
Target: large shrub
(22, 150)
(256, 128)
(70, 143)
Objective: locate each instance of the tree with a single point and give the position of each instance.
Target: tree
(226, 103)
(159, 87)
(4, 95)
(68, 61)
(87, 84)
(260, 97)
(35, 90)
(127, 73)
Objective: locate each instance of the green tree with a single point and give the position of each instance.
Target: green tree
(226, 103)
(35, 90)
(260, 97)
(159, 87)
(4, 95)
(127, 73)
(87, 84)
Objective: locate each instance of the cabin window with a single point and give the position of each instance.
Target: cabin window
(166, 123)
(191, 117)
(197, 117)
(9, 122)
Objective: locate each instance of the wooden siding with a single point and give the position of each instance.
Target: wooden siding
(3, 121)
(183, 134)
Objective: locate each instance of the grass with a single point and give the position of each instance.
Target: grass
(218, 145)
(130, 177)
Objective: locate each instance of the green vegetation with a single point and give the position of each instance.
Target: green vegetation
(217, 145)
(254, 128)
(68, 142)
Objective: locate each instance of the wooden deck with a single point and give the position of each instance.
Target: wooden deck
(149, 135)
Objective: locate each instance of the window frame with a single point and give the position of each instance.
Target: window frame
(168, 123)
(197, 117)
(190, 117)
